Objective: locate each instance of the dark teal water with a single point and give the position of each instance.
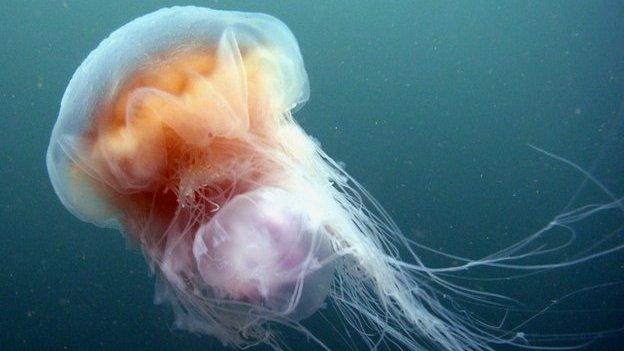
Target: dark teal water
(430, 105)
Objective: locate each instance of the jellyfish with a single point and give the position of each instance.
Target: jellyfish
(178, 131)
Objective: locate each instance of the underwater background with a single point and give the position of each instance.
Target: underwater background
(431, 105)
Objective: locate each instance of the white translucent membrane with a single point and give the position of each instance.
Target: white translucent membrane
(262, 248)
(99, 77)
(268, 255)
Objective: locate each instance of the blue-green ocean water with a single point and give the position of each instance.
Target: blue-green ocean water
(431, 105)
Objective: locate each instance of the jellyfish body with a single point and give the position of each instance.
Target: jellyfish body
(183, 141)
(177, 130)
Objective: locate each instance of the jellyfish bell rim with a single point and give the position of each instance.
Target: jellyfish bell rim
(116, 57)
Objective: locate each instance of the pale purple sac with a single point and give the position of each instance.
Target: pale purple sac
(263, 249)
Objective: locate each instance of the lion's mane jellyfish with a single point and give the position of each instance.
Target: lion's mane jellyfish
(177, 130)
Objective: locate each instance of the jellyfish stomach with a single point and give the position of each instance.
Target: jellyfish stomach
(262, 249)
(181, 102)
